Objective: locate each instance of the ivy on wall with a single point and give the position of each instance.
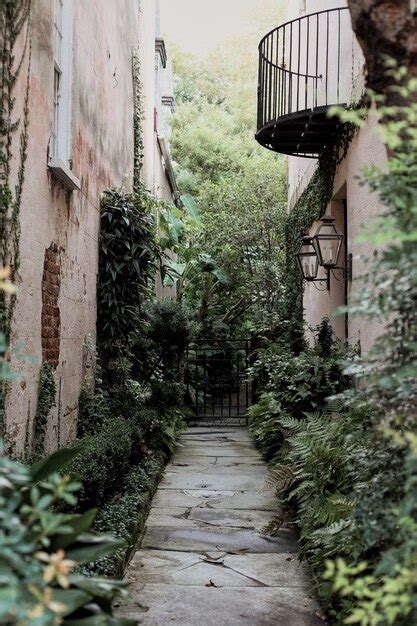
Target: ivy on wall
(14, 20)
(138, 147)
(46, 401)
(309, 208)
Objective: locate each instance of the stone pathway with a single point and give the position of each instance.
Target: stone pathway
(203, 560)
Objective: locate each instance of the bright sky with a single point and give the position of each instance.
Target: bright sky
(200, 25)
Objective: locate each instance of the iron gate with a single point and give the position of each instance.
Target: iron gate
(216, 379)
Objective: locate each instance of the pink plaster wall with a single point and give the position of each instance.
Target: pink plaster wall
(102, 152)
(363, 208)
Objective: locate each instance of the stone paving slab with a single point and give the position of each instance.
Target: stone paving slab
(200, 539)
(179, 517)
(159, 605)
(225, 480)
(204, 559)
(209, 464)
(216, 499)
(224, 570)
(220, 438)
(222, 449)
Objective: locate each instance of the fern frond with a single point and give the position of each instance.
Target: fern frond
(280, 478)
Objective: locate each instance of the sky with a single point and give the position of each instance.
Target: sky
(199, 26)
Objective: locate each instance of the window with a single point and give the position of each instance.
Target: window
(61, 129)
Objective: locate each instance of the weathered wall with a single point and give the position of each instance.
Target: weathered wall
(56, 307)
(362, 206)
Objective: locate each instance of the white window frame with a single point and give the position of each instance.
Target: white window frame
(60, 161)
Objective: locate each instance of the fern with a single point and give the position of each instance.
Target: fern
(280, 478)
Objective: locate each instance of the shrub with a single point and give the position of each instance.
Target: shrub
(160, 341)
(121, 516)
(103, 462)
(40, 549)
(127, 264)
(302, 383)
(46, 401)
(93, 411)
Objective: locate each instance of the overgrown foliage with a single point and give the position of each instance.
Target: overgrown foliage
(127, 265)
(41, 549)
(239, 190)
(14, 20)
(46, 401)
(347, 475)
(294, 384)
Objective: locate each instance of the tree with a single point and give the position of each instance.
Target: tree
(386, 28)
(239, 187)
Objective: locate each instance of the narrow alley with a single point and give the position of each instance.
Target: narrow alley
(203, 558)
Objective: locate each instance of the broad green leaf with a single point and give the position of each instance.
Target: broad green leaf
(53, 463)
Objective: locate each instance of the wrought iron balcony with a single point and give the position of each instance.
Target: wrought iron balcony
(304, 68)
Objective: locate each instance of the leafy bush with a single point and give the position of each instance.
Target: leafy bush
(349, 479)
(93, 410)
(103, 462)
(302, 383)
(128, 256)
(40, 549)
(160, 341)
(46, 401)
(121, 516)
(264, 422)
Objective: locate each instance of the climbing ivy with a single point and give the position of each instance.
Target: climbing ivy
(46, 401)
(138, 147)
(14, 18)
(310, 207)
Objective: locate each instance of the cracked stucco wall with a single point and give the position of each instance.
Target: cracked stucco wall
(102, 154)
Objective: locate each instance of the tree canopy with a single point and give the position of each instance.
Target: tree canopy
(239, 187)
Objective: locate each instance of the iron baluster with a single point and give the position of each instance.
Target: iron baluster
(317, 57)
(338, 56)
(307, 59)
(327, 59)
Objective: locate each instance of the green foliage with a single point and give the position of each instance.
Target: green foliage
(103, 462)
(264, 424)
(239, 189)
(300, 383)
(127, 265)
(39, 549)
(387, 376)
(161, 340)
(46, 401)
(348, 477)
(14, 22)
(93, 410)
(137, 121)
(120, 516)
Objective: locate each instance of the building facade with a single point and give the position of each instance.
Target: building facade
(310, 63)
(80, 141)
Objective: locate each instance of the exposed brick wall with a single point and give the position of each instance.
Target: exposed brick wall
(51, 317)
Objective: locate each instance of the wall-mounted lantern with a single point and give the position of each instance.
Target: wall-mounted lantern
(323, 250)
(328, 242)
(308, 261)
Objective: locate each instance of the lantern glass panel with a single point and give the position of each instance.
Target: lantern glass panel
(328, 242)
(308, 260)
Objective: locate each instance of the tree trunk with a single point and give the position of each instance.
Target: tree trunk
(386, 28)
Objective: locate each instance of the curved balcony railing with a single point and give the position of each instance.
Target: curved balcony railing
(304, 67)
